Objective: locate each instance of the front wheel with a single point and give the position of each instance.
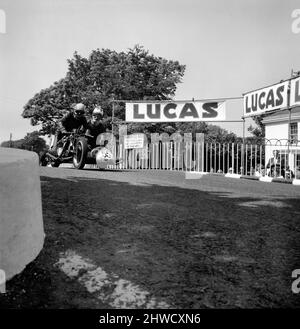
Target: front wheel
(79, 158)
(46, 160)
(54, 163)
(43, 159)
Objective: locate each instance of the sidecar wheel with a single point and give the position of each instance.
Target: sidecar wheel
(81, 149)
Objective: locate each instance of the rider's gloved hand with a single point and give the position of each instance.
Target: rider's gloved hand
(88, 133)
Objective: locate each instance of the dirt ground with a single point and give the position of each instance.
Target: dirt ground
(212, 242)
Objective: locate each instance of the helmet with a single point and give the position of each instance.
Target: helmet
(97, 111)
(97, 115)
(79, 109)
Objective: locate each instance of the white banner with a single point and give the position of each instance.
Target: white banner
(175, 111)
(134, 141)
(266, 99)
(295, 92)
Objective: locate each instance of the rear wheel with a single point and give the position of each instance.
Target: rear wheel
(81, 149)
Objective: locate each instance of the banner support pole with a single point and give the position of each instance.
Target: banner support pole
(243, 148)
(113, 116)
(290, 115)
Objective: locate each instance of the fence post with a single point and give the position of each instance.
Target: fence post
(246, 173)
(122, 151)
(200, 151)
(223, 150)
(188, 140)
(237, 158)
(232, 160)
(251, 161)
(228, 157)
(242, 159)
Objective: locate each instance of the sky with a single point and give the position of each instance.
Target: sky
(229, 47)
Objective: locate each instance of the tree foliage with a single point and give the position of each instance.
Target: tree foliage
(32, 142)
(103, 76)
(219, 135)
(258, 132)
(106, 75)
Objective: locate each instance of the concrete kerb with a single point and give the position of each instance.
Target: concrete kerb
(21, 225)
(266, 179)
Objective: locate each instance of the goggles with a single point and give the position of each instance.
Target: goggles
(79, 112)
(97, 116)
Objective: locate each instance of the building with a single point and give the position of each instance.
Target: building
(282, 135)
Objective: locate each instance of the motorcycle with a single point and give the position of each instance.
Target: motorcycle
(72, 147)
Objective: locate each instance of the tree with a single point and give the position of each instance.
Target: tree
(217, 134)
(257, 132)
(17, 144)
(103, 76)
(32, 142)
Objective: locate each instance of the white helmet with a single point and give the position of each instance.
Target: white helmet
(97, 115)
(97, 110)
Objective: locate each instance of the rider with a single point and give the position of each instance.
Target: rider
(95, 125)
(72, 120)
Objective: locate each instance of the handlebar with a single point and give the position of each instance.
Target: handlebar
(74, 132)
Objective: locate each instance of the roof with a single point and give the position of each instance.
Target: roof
(281, 116)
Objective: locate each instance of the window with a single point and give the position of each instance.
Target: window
(283, 158)
(298, 161)
(297, 167)
(294, 132)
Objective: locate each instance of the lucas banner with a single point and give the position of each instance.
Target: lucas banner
(267, 99)
(295, 92)
(175, 111)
